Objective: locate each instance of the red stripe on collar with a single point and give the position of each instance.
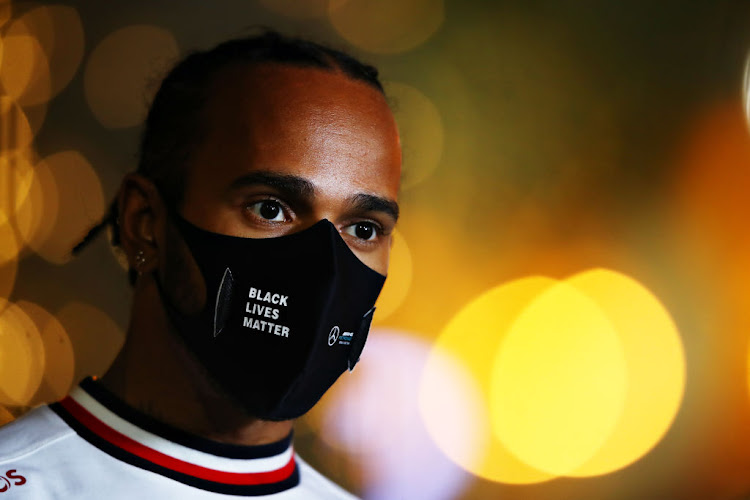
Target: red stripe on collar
(134, 447)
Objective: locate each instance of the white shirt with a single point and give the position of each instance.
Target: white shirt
(93, 446)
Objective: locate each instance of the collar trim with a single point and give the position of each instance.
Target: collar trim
(99, 397)
(122, 439)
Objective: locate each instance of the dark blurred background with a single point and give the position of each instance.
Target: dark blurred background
(566, 315)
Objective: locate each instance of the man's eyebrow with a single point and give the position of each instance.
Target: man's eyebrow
(289, 184)
(372, 203)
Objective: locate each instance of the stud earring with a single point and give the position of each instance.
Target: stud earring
(140, 259)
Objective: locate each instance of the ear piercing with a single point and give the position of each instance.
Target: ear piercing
(140, 259)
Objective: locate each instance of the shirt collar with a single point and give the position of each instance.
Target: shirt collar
(133, 437)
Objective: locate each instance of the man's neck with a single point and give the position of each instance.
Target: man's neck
(156, 375)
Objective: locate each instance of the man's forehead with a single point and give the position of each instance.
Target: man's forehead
(268, 85)
(309, 122)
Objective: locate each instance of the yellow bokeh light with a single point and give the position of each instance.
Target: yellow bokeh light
(558, 382)
(16, 179)
(95, 337)
(16, 176)
(71, 202)
(655, 365)
(398, 281)
(420, 129)
(58, 354)
(387, 26)
(120, 68)
(25, 72)
(9, 269)
(36, 216)
(9, 250)
(471, 339)
(36, 115)
(16, 133)
(303, 9)
(59, 31)
(44, 66)
(6, 11)
(577, 378)
(9, 245)
(21, 356)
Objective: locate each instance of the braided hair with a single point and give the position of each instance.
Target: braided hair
(173, 123)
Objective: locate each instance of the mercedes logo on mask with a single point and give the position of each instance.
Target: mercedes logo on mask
(333, 336)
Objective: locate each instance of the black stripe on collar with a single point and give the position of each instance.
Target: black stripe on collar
(139, 419)
(124, 456)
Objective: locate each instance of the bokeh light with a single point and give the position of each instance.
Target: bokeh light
(69, 202)
(37, 215)
(119, 69)
(6, 11)
(16, 180)
(95, 337)
(22, 356)
(471, 339)
(398, 280)
(455, 410)
(16, 132)
(58, 32)
(373, 413)
(578, 377)
(420, 129)
(386, 26)
(710, 200)
(443, 270)
(558, 382)
(25, 72)
(9, 250)
(9, 246)
(58, 354)
(655, 363)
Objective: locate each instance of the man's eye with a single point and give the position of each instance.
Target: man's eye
(366, 231)
(269, 210)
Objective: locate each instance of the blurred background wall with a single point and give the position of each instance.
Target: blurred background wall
(566, 315)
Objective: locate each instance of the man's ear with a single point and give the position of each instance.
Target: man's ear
(140, 211)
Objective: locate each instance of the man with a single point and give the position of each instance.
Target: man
(258, 230)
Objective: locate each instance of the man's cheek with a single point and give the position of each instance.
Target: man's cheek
(376, 260)
(182, 279)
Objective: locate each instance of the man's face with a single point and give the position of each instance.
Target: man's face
(285, 147)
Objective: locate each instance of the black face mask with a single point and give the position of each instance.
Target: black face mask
(284, 317)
